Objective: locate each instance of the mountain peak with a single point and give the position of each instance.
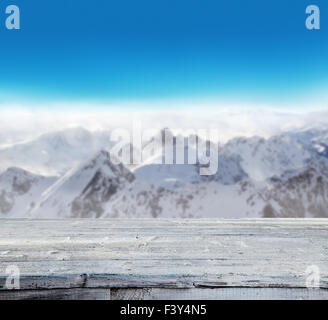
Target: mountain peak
(14, 173)
(83, 191)
(103, 160)
(16, 170)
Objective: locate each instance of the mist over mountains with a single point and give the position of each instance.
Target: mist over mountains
(70, 174)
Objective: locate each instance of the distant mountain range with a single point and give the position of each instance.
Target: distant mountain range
(70, 174)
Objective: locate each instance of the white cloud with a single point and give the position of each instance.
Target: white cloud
(19, 122)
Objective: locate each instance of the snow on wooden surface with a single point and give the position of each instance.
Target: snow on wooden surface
(150, 259)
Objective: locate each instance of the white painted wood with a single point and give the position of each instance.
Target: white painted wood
(174, 254)
(58, 294)
(220, 294)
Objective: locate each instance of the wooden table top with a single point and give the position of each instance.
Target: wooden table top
(276, 254)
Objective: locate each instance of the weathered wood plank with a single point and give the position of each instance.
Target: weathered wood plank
(190, 254)
(59, 294)
(220, 294)
(167, 294)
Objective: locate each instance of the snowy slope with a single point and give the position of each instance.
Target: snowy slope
(20, 191)
(283, 176)
(314, 139)
(181, 172)
(304, 195)
(209, 199)
(176, 173)
(263, 158)
(83, 190)
(54, 153)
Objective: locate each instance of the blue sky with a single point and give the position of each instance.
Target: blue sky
(127, 50)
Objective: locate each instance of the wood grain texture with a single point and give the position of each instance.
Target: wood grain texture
(220, 294)
(166, 254)
(56, 294)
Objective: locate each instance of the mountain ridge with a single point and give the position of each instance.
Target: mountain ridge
(283, 176)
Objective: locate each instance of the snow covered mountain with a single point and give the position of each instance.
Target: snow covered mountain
(53, 154)
(206, 199)
(20, 191)
(283, 176)
(262, 159)
(180, 172)
(84, 190)
(304, 195)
